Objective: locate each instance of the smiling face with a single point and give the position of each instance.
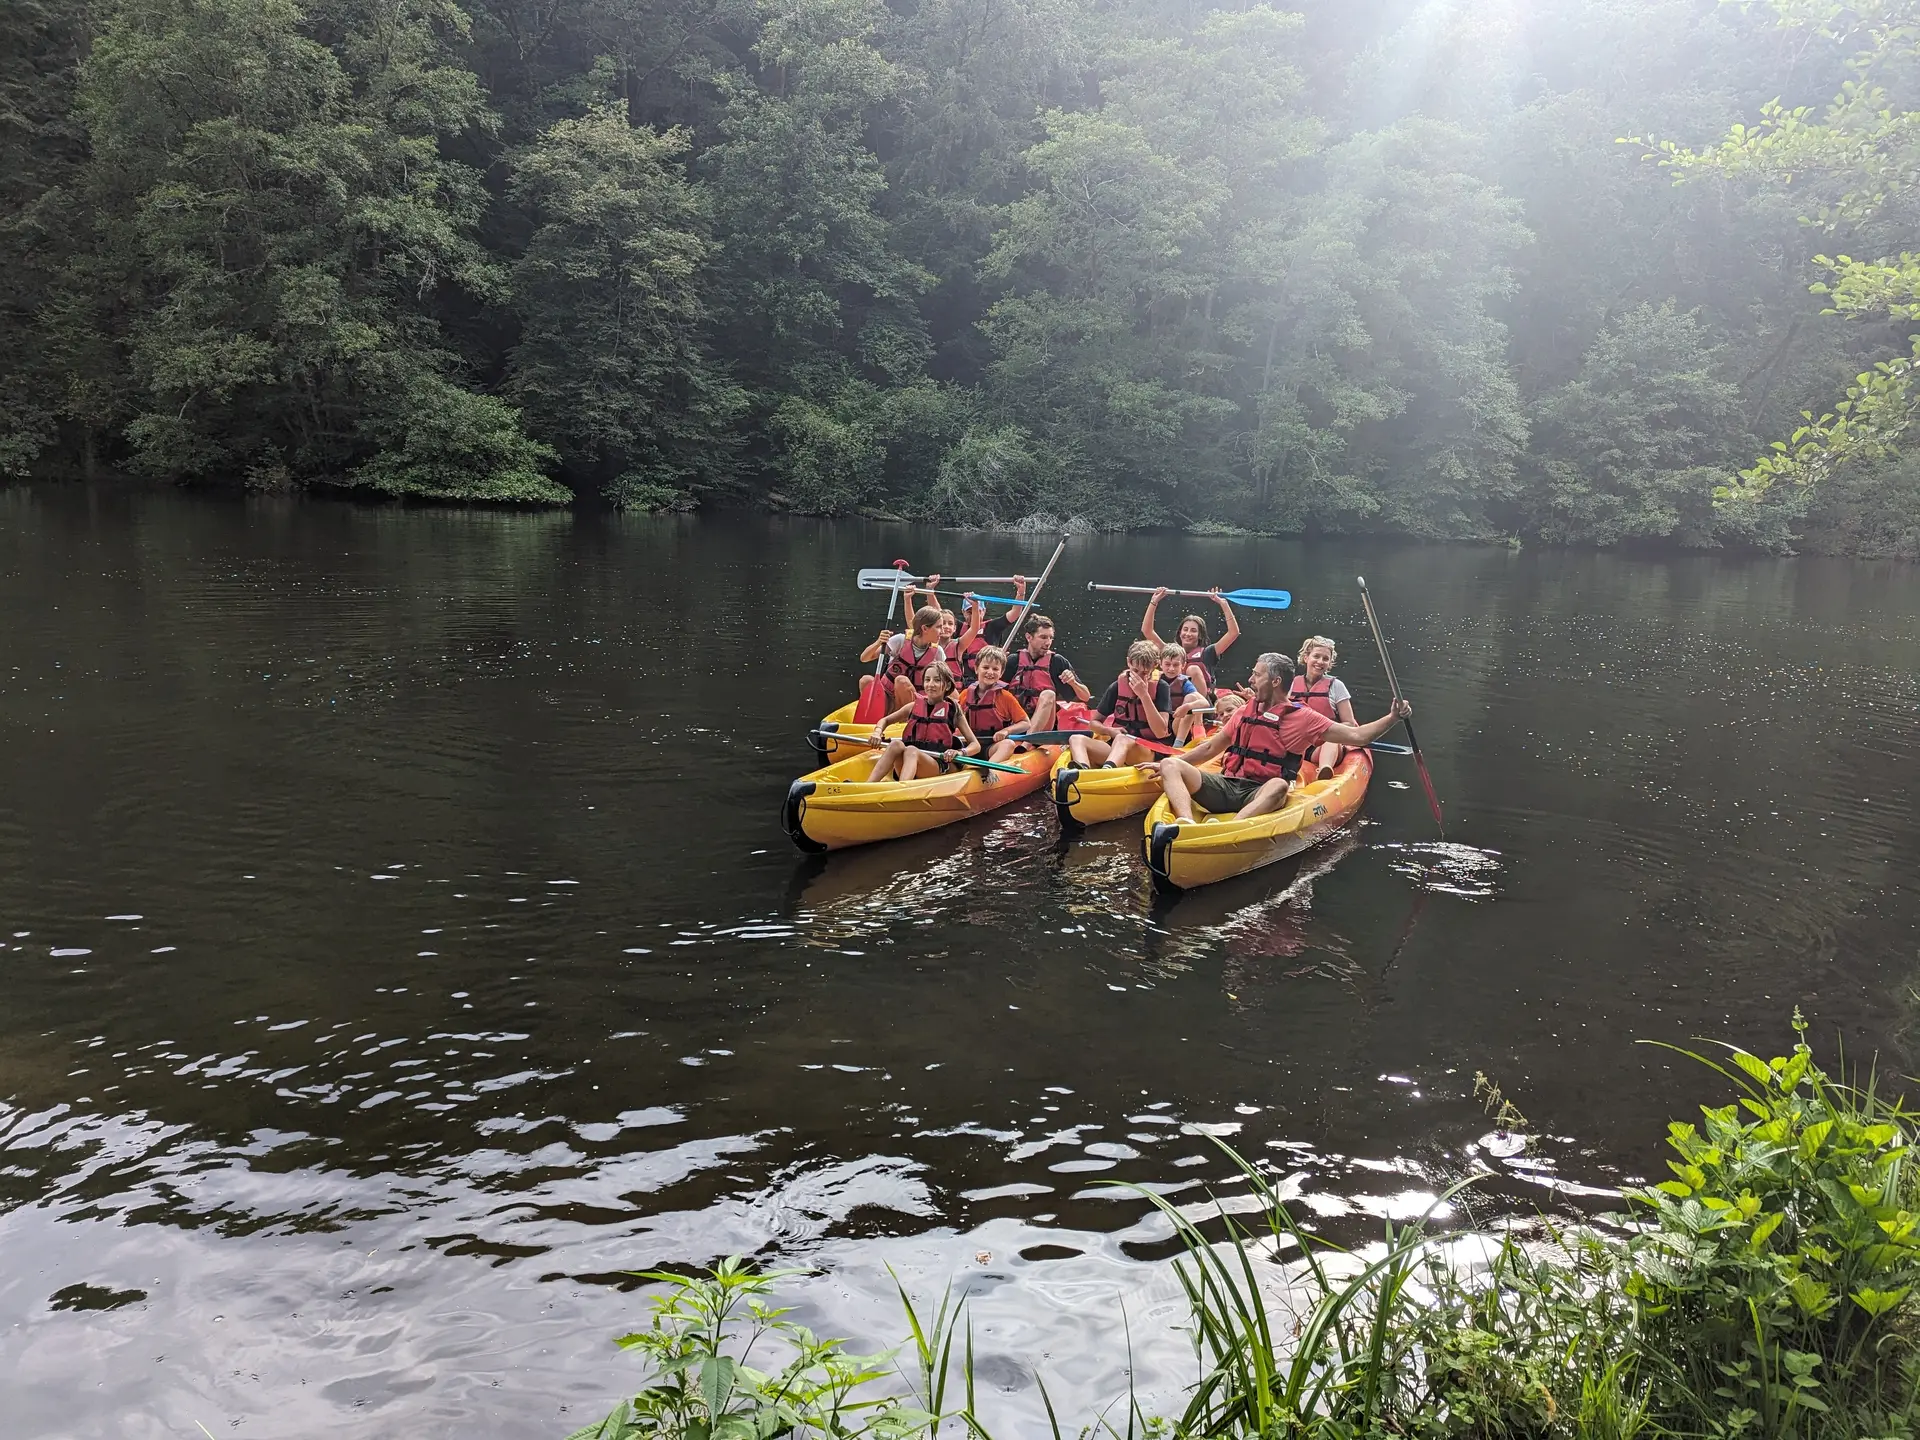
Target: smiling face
(1192, 637)
(989, 669)
(949, 625)
(1319, 660)
(937, 684)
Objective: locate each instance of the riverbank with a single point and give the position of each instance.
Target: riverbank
(1768, 1288)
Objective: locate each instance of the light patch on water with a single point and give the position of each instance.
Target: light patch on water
(1447, 868)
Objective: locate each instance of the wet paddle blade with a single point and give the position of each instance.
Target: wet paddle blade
(872, 706)
(1426, 780)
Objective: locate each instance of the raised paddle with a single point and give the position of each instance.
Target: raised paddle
(1026, 605)
(846, 738)
(1419, 760)
(878, 579)
(1251, 599)
(872, 703)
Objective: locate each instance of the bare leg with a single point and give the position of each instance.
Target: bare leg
(1327, 757)
(903, 691)
(1198, 675)
(1077, 751)
(1178, 780)
(1268, 798)
(1118, 750)
(1043, 712)
(1002, 751)
(910, 762)
(884, 762)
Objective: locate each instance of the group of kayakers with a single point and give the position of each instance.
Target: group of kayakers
(956, 689)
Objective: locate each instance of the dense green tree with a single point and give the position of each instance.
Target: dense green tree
(284, 216)
(1371, 265)
(612, 363)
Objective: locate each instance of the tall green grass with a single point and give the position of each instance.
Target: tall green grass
(1767, 1289)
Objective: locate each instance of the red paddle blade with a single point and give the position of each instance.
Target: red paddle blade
(1433, 800)
(872, 706)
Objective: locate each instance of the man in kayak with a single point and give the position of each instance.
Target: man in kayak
(1263, 744)
(1040, 673)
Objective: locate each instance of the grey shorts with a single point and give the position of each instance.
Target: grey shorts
(1222, 794)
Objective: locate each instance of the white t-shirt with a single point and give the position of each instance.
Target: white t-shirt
(1337, 691)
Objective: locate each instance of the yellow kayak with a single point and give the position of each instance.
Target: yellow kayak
(1092, 797)
(842, 719)
(837, 806)
(1217, 847)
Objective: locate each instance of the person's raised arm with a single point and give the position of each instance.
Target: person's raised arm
(1233, 624)
(872, 652)
(1146, 620)
(976, 613)
(1359, 735)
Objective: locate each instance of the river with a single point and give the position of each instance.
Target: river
(401, 944)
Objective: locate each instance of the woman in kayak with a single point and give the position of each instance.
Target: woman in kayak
(936, 730)
(1136, 704)
(1202, 656)
(1315, 686)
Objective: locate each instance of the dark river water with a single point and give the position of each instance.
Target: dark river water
(400, 943)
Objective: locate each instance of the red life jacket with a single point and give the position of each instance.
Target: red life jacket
(1196, 657)
(962, 655)
(1257, 752)
(912, 662)
(982, 713)
(1128, 713)
(930, 726)
(1315, 696)
(1030, 676)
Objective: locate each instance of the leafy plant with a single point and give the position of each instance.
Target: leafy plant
(704, 1332)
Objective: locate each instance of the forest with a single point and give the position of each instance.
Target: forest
(1591, 272)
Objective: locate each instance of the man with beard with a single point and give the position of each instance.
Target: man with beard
(1040, 673)
(1263, 744)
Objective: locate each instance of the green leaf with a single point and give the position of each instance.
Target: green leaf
(1878, 1302)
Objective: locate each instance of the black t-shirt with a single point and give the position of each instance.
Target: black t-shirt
(1162, 701)
(995, 632)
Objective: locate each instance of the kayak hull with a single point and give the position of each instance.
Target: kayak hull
(1218, 847)
(1093, 797)
(836, 807)
(830, 750)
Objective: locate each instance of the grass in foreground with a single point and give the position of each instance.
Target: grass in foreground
(1766, 1290)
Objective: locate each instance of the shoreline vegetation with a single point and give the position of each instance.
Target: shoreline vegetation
(1765, 1289)
(1612, 272)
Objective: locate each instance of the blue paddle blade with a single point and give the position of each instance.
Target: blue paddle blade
(1259, 599)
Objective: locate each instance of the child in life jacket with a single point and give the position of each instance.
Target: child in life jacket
(990, 706)
(1315, 687)
(1184, 695)
(1135, 705)
(936, 730)
(1202, 658)
(911, 654)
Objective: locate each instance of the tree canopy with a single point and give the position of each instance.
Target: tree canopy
(1605, 272)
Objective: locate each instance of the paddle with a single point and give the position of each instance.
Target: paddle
(1026, 606)
(1251, 599)
(849, 739)
(878, 579)
(1060, 737)
(1419, 760)
(872, 703)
